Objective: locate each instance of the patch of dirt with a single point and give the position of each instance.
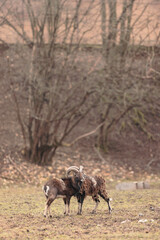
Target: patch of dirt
(132, 216)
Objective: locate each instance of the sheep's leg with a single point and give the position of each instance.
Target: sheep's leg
(109, 206)
(96, 199)
(67, 206)
(80, 199)
(107, 199)
(79, 208)
(45, 210)
(65, 203)
(49, 211)
(47, 207)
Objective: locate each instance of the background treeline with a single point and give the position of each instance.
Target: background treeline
(79, 61)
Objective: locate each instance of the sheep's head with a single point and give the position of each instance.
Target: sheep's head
(77, 171)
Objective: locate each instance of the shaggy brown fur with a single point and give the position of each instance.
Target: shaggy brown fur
(94, 187)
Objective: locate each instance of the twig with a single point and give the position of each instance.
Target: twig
(6, 178)
(153, 70)
(93, 67)
(83, 136)
(150, 162)
(18, 170)
(99, 154)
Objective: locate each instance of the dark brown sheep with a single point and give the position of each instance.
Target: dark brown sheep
(95, 187)
(64, 187)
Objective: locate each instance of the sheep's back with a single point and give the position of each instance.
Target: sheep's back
(88, 187)
(55, 183)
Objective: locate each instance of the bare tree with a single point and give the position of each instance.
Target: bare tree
(60, 83)
(57, 98)
(123, 89)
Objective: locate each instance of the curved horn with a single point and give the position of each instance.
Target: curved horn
(72, 169)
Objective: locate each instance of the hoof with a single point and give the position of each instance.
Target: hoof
(110, 211)
(50, 216)
(93, 212)
(79, 213)
(66, 214)
(44, 216)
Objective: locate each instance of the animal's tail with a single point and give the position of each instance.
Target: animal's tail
(45, 189)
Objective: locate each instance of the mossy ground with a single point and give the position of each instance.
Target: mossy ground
(21, 216)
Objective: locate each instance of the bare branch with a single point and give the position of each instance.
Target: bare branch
(83, 136)
(18, 169)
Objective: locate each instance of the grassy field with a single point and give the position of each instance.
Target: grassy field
(136, 215)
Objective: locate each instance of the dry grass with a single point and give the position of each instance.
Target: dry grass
(21, 216)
